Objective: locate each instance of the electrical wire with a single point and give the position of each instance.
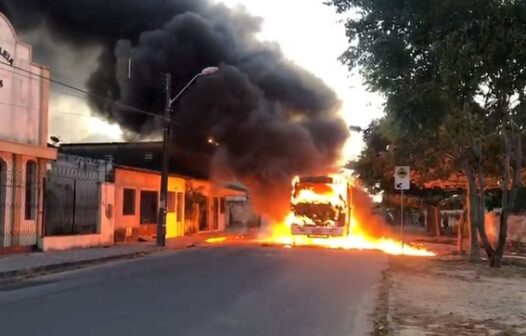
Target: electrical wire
(128, 108)
(53, 111)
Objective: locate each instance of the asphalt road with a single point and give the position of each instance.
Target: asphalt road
(210, 291)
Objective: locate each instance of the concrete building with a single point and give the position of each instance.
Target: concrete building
(136, 202)
(195, 203)
(24, 153)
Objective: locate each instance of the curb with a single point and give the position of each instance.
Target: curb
(9, 277)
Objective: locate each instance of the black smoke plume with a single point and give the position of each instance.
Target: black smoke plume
(270, 119)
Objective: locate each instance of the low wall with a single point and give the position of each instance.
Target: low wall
(516, 227)
(70, 242)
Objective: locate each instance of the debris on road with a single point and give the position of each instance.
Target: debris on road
(216, 240)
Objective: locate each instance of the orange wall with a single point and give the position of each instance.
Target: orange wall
(174, 225)
(139, 180)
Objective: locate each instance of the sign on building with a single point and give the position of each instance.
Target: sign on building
(402, 176)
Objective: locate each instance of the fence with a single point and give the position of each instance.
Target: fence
(72, 196)
(19, 204)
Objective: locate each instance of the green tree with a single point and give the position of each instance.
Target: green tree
(452, 73)
(428, 161)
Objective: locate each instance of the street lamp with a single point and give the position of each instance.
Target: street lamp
(205, 72)
(161, 220)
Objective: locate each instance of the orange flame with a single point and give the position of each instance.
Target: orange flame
(216, 240)
(357, 237)
(319, 193)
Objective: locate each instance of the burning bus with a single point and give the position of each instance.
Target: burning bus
(324, 213)
(321, 206)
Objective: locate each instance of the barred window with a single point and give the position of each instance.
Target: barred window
(149, 207)
(128, 199)
(31, 191)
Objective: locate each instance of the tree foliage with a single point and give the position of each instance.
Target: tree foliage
(454, 77)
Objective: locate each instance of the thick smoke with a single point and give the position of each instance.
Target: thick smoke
(270, 119)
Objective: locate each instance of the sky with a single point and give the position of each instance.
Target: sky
(310, 34)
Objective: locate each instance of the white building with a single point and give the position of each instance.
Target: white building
(24, 154)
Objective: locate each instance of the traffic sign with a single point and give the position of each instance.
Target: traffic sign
(402, 176)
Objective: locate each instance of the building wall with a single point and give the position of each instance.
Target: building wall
(24, 95)
(105, 237)
(212, 190)
(23, 91)
(175, 225)
(237, 211)
(6, 199)
(146, 181)
(516, 227)
(15, 228)
(26, 229)
(138, 181)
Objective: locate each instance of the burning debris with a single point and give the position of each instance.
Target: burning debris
(329, 211)
(268, 119)
(216, 240)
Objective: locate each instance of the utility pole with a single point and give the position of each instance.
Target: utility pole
(161, 223)
(167, 127)
(402, 218)
(402, 182)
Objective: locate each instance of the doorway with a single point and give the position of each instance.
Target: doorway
(215, 214)
(203, 215)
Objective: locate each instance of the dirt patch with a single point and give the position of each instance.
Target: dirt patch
(453, 297)
(381, 324)
(516, 248)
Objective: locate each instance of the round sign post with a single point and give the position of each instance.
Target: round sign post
(402, 182)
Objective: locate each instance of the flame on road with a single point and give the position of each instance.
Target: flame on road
(357, 239)
(326, 205)
(216, 240)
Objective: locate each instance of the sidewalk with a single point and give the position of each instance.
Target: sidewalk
(23, 265)
(19, 266)
(231, 236)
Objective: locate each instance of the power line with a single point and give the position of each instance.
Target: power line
(74, 114)
(78, 90)
(56, 111)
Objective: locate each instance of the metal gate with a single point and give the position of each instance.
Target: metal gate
(72, 197)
